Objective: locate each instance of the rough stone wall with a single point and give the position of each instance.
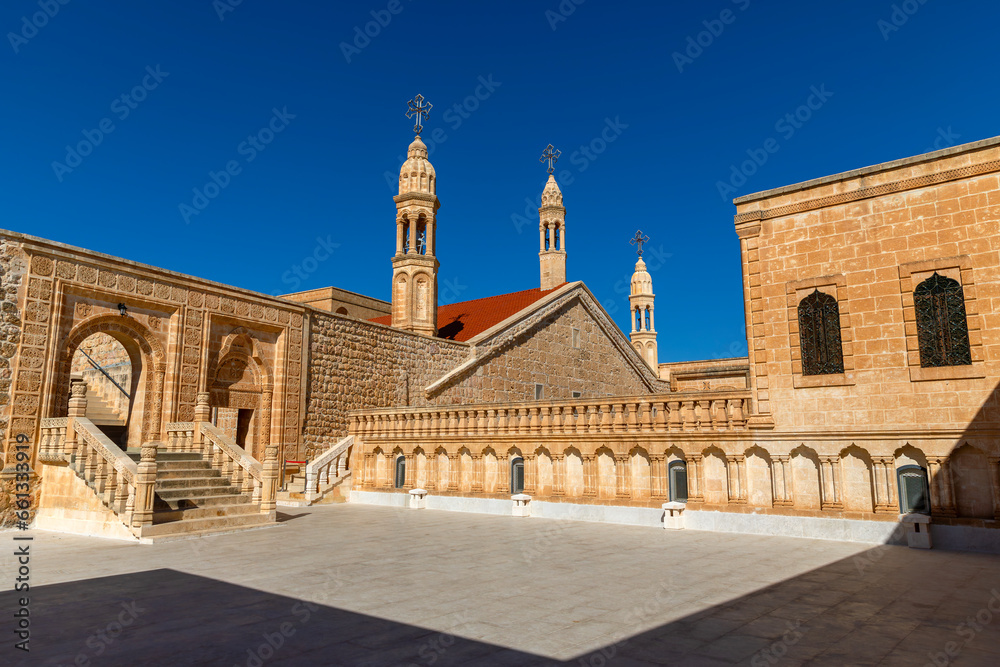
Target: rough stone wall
(11, 271)
(356, 365)
(870, 253)
(544, 354)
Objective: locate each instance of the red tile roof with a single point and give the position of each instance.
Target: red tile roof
(466, 320)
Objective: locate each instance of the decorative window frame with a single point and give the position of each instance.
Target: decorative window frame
(958, 268)
(835, 286)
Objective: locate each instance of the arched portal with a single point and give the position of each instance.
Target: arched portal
(147, 369)
(106, 367)
(241, 390)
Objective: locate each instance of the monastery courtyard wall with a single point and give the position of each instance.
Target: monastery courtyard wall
(820, 451)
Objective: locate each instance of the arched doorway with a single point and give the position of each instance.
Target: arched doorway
(147, 369)
(241, 392)
(102, 362)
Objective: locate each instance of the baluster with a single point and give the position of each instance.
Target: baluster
(632, 418)
(606, 418)
(110, 487)
(100, 475)
(491, 421)
(546, 419)
(593, 416)
(524, 425)
(533, 422)
(121, 497)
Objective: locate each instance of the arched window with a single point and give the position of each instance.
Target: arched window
(517, 475)
(819, 335)
(648, 326)
(638, 319)
(913, 490)
(400, 480)
(546, 237)
(557, 238)
(678, 478)
(942, 331)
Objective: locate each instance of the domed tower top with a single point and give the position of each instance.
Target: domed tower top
(417, 173)
(642, 282)
(552, 195)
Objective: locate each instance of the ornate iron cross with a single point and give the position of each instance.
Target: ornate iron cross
(416, 107)
(552, 155)
(638, 240)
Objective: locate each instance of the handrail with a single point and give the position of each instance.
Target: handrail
(104, 372)
(107, 449)
(319, 467)
(234, 451)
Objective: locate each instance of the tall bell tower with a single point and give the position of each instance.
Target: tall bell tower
(415, 266)
(641, 299)
(552, 227)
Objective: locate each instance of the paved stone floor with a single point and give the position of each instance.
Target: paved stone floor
(363, 585)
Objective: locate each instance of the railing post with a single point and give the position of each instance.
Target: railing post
(77, 408)
(269, 480)
(145, 481)
(202, 414)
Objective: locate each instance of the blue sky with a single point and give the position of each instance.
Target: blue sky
(653, 105)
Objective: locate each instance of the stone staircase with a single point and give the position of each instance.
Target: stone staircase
(191, 498)
(294, 493)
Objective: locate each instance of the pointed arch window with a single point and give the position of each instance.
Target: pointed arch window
(819, 335)
(942, 330)
(517, 475)
(400, 477)
(914, 493)
(678, 481)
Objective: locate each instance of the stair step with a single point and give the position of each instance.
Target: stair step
(164, 466)
(185, 502)
(187, 473)
(165, 456)
(187, 526)
(171, 515)
(186, 482)
(196, 492)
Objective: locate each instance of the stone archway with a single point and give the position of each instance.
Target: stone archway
(148, 372)
(241, 381)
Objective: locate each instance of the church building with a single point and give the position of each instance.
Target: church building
(145, 404)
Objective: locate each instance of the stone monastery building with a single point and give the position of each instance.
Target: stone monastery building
(140, 403)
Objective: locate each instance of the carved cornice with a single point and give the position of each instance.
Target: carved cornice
(868, 193)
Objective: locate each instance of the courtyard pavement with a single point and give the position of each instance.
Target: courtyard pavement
(365, 585)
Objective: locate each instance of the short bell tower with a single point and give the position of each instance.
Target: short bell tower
(415, 265)
(641, 299)
(552, 228)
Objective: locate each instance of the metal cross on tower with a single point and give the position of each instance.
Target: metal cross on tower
(416, 107)
(552, 155)
(638, 240)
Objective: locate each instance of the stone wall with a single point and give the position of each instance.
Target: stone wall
(543, 353)
(11, 271)
(70, 293)
(868, 238)
(356, 365)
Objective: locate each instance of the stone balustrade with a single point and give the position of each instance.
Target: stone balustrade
(52, 440)
(328, 467)
(122, 485)
(243, 471)
(713, 412)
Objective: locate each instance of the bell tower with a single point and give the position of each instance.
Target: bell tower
(415, 265)
(641, 298)
(552, 227)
